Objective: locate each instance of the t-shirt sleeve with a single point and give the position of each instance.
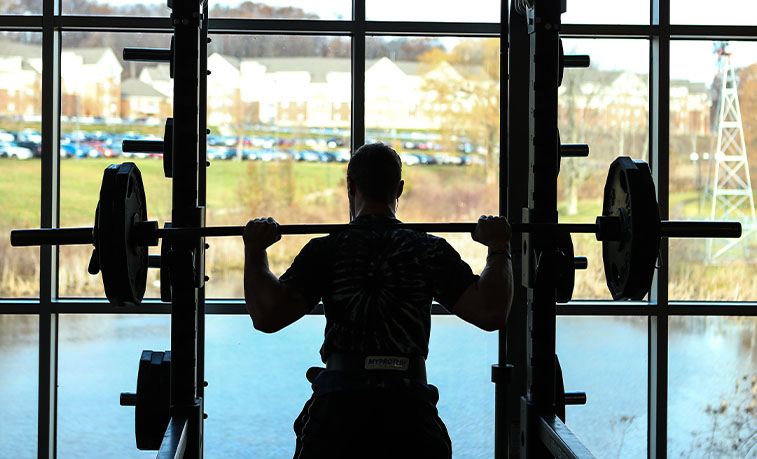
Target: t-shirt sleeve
(451, 275)
(305, 275)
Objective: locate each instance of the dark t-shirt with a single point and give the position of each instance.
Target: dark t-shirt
(377, 286)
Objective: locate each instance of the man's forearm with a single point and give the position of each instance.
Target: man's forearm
(262, 289)
(495, 284)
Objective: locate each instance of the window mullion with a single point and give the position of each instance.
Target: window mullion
(49, 218)
(357, 123)
(659, 140)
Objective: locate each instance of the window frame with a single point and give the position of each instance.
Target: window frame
(659, 33)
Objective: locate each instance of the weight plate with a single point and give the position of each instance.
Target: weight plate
(559, 391)
(560, 62)
(566, 272)
(168, 148)
(122, 262)
(165, 272)
(630, 262)
(152, 410)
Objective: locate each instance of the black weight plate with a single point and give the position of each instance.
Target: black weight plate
(630, 262)
(151, 413)
(165, 272)
(168, 147)
(566, 272)
(559, 391)
(560, 62)
(122, 262)
(559, 155)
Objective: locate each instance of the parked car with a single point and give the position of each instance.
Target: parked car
(342, 156)
(336, 142)
(446, 158)
(68, 150)
(29, 135)
(265, 154)
(307, 155)
(327, 157)
(10, 150)
(221, 153)
(34, 147)
(408, 159)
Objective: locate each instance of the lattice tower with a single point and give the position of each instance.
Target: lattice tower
(731, 186)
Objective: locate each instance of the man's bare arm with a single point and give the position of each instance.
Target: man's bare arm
(271, 304)
(486, 303)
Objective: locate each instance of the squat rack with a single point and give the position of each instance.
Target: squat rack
(49, 108)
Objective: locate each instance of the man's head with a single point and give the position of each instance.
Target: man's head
(375, 170)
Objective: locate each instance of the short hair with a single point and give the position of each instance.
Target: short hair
(376, 169)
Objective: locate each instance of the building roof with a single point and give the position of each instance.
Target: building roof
(90, 55)
(234, 61)
(15, 48)
(319, 67)
(25, 65)
(693, 86)
(138, 88)
(160, 72)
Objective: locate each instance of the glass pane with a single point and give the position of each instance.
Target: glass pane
(726, 12)
(604, 106)
(105, 100)
(279, 140)
(713, 140)
(712, 373)
(99, 359)
(253, 392)
(282, 9)
(431, 11)
(437, 104)
(606, 357)
(120, 8)
(607, 12)
(26, 7)
(274, 390)
(19, 377)
(459, 365)
(20, 150)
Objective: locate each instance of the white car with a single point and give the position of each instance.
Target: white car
(410, 160)
(9, 150)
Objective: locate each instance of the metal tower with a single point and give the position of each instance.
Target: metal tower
(731, 187)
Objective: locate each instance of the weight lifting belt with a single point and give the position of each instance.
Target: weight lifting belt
(411, 367)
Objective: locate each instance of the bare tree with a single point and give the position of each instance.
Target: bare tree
(464, 90)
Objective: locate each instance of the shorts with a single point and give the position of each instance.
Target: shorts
(369, 419)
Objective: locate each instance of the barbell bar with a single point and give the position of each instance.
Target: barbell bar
(148, 231)
(148, 54)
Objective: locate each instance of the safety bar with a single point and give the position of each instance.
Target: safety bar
(175, 439)
(147, 54)
(560, 441)
(574, 150)
(580, 262)
(142, 146)
(575, 398)
(577, 61)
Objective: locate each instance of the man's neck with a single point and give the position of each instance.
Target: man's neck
(375, 208)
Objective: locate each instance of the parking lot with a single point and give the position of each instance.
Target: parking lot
(26, 144)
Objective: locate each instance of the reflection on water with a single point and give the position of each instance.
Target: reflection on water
(257, 385)
(19, 367)
(607, 359)
(712, 370)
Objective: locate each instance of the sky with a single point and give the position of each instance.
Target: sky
(690, 60)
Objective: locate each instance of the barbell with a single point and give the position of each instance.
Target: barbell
(629, 228)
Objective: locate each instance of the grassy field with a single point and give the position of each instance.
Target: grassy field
(314, 193)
